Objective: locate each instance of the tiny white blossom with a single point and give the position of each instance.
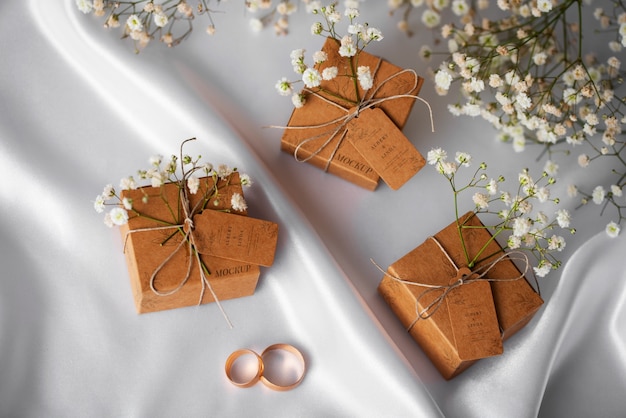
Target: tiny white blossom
(481, 200)
(521, 226)
(118, 216)
(430, 18)
(583, 160)
(193, 183)
(98, 204)
(435, 155)
(543, 269)
(612, 229)
(127, 203)
(160, 19)
(319, 57)
(283, 86)
(556, 242)
(311, 77)
(443, 79)
(238, 202)
(598, 195)
(544, 5)
(128, 183)
(245, 180)
(616, 190)
(223, 171)
(365, 77)
(514, 242)
(347, 48)
(463, 158)
(256, 24)
(134, 23)
(84, 6)
(298, 99)
(329, 73)
(563, 218)
(492, 187)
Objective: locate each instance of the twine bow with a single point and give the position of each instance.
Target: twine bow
(188, 241)
(343, 121)
(465, 276)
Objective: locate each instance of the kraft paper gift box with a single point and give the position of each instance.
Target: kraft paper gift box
(340, 155)
(455, 336)
(151, 250)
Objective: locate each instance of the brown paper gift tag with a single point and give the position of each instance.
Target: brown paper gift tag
(473, 319)
(383, 145)
(235, 237)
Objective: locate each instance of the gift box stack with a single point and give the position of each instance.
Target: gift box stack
(365, 148)
(456, 325)
(163, 267)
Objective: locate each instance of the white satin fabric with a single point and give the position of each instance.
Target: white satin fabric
(79, 110)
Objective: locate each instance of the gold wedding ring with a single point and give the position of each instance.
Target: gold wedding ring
(300, 376)
(273, 381)
(231, 361)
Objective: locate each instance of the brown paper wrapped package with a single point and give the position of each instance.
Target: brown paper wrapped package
(145, 251)
(346, 162)
(515, 301)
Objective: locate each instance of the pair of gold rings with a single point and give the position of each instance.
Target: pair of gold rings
(276, 370)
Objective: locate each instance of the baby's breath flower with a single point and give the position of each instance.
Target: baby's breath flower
(238, 203)
(556, 242)
(284, 87)
(108, 191)
(365, 77)
(329, 73)
(319, 57)
(430, 18)
(223, 171)
(616, 190)
(134, 23)
(598, 195)
(84, 6)
(481, 200)
(193, 183)
(98, 204)
(298, 99)
(128, 183)
(127, 203)
(463, 158)
(118, 216)
(563, 218)
(436, 155)
(160, 19)
(245, 180)
(612, 229)
(543, 269)
(311, 77)
(443, 79)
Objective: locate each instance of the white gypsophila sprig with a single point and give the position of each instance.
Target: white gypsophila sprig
(270, 15)
(350, 45)
(170, 22)
(530, 69)
(514, 217)
(189, 173)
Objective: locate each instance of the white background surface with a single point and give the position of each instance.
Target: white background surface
(79, 110)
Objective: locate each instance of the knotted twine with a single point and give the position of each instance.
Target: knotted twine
(362, 105)
(476, 275)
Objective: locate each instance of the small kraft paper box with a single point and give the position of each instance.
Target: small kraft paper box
(160, 252)
(464, 318)
(371, 145)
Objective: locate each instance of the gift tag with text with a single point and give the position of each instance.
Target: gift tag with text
(474, 321)
(383, 145)
(235, 237)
